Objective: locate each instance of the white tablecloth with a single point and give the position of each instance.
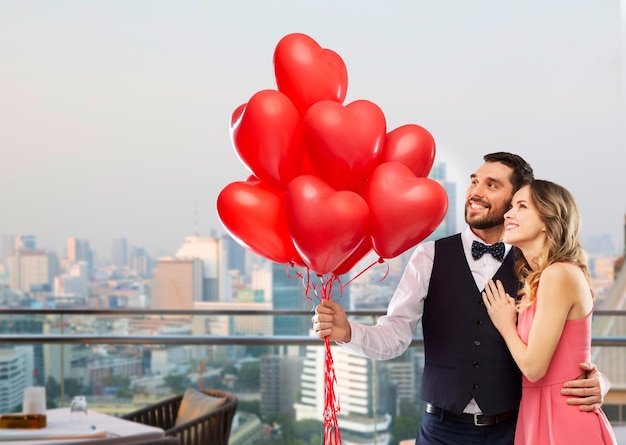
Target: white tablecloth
(94, 429)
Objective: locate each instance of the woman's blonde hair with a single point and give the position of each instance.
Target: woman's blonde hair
(559, 212)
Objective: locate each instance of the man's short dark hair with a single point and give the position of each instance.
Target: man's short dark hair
(522, 171)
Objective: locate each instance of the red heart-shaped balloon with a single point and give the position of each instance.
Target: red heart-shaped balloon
(412, 146)
(267, 136)
(364, 248)
(326, 226)
(404, 209)
(254, 215)
(344, 144)
(308, 73)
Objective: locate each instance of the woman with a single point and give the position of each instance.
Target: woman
(553, 332)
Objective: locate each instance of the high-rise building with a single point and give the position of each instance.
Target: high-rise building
(74, 249)
(32, 269)
(205, 258)
(79, 250)
(261, 281)
(212, 252)
(120, 253)
(280, 382)
(238, 325)
(236, 255)
(16, 370)
(26, 242)
(8, 246)
(611, 359)
(363, 396)
(140, 262)
(97, 371)
(228, 325)
(177, 283)
(288, 292)
(26, 324)
(73, 283)
(448, 225)
(403, 373)
(57, 356)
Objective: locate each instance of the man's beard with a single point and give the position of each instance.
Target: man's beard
(489, 221)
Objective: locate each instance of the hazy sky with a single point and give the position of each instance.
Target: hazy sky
(114, 115)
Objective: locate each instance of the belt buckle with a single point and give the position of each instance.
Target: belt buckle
(480, 420)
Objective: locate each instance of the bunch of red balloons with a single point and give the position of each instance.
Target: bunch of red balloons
(329, 184)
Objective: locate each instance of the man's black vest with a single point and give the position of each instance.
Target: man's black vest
(465, 356)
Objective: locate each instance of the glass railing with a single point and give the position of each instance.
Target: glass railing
(126, 359)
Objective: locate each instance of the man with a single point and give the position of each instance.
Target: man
(471, 385)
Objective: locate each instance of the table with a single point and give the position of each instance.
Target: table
(94, 429)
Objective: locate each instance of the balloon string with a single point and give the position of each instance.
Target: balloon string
(331, 405)
(291, 265)
(324, 291)
(331, 399)
(378, 261)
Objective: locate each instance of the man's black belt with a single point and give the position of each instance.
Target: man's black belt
(476, 419)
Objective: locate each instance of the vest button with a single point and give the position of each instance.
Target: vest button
(479, 322)
(476, 343)
(475, 364)
(474, 386)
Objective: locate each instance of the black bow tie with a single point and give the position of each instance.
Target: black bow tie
(496, 250)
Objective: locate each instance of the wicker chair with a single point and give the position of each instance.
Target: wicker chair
(213, 428)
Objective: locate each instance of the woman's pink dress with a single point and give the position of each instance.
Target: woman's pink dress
(544, 417)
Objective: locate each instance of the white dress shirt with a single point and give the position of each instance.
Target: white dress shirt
(393, 332)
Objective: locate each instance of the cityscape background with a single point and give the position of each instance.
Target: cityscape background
(115, 145)
(215, 277)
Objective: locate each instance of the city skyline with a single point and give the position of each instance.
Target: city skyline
(116, 114)
(122, 252)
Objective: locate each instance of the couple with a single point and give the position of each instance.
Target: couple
(478, 334)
